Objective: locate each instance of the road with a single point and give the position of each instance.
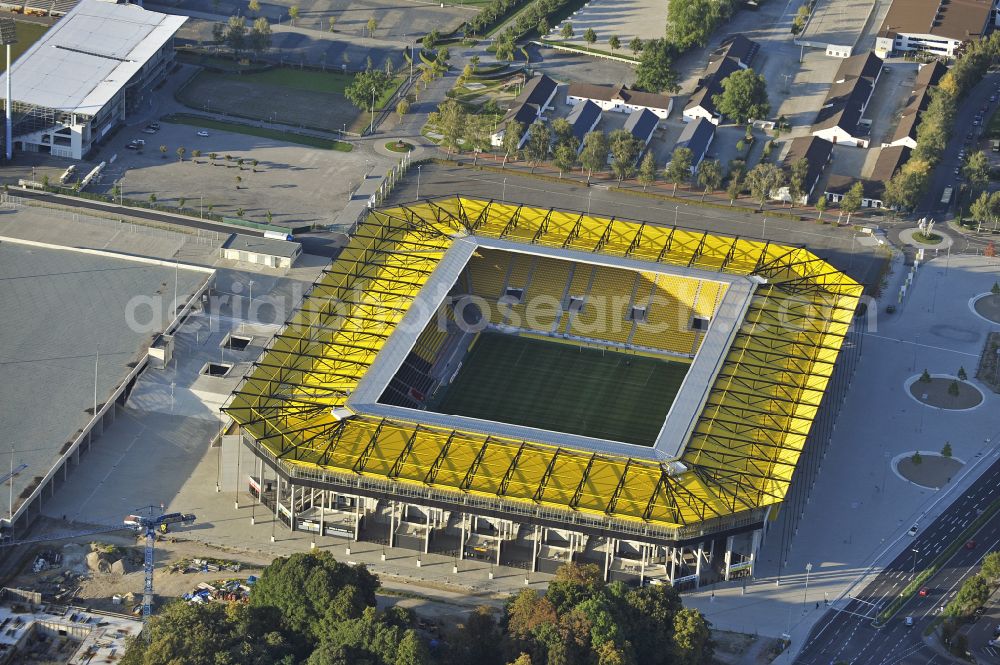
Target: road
(944, 174)
(846, 633)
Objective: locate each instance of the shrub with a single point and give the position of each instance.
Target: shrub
(953, 388)
(946, 449)
(917, 459)
(962, 376)
(925, 377)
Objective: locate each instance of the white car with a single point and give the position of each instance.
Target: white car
(913, 530)
(202, 132)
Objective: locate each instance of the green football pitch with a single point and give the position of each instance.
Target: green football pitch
(554, 386)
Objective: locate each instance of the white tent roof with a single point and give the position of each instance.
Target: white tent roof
(89, 55)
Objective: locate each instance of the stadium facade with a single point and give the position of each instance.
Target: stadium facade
(79, 81)
(340, 411)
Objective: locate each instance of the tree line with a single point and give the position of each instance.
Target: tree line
(309, 609)
(934, 128)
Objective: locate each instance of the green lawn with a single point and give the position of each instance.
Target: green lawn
(27, 34)
(263, 132)
(565, 388)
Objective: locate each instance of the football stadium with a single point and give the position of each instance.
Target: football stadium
(530, 386)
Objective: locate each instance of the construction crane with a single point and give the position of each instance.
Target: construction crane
(150, 523)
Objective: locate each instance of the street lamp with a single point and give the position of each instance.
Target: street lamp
(805, 593)
(418, 182)
(8, 36)
(503, 194)
(915, 553)
(371, 129)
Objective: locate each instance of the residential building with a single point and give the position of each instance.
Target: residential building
(641, 124)
(890, 160)
(906, 129)
(697, 136)
(840, 120)
(528, 107)
(938, 27)
(620, 99)
(735, 54)
(817, 152)
(71, 90)
(583, 119)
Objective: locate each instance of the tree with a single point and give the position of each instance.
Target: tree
(254, 6)
(991, 566)
(916, 458)
(962, 376)
(239, 179)
(679, 168)
(995, 290)
(240, 212)
(953, 389)
(710, 175)
(505, 49)
(236, 34)
(614, 43)
(195, 154)
(735, 186)
(852, 199)
(152, 199)
(181, 201)
(625, 150)
(359, 91)
(797, 181)
(260, 35)
(218, 33)
(332, 21)
(635, 46)
(268, 216)
(764, 179)
(163, 151)
(307, 588)
(450, 120)
(647, 170)
(543, 27)
(590, 37)
(512, 134)
(977, 171)
(691, 22)
(925, 377)
(371, 26)
(567, 30)
(539, 139)
(655, 72)
(821, 205)
(293, 13)
(477, 134)
(692, 639)
(946, 449)
(595, 152)
(744, 96)
(180, 153)
(564, 157)
(402, 108)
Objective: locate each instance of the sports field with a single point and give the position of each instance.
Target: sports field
(565, 388)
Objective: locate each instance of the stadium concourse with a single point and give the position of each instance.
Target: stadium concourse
(347, 409)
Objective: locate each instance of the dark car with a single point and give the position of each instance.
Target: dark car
(970, 544)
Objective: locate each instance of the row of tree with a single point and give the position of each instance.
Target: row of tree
(238, 38)
(692, 22)
(906, 187)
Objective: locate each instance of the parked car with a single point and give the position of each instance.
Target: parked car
(923, 592)
(916, 527)
(202, 132)
(970, 544)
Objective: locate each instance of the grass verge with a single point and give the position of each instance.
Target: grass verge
(262, 132)
(913, 587)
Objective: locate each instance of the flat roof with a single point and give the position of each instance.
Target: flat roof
(956, 19)
(82, 62)
(269, 246)
(60, 307)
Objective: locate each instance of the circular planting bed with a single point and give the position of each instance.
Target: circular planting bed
(932, 470)
(940, 392)
(927, 239)
(399, 146)
(988, 307)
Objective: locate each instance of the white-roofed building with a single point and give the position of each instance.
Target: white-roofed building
(77, 82)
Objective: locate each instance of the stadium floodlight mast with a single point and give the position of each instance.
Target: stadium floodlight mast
(8, 36)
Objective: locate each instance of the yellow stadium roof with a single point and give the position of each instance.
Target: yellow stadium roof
(739, 457)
